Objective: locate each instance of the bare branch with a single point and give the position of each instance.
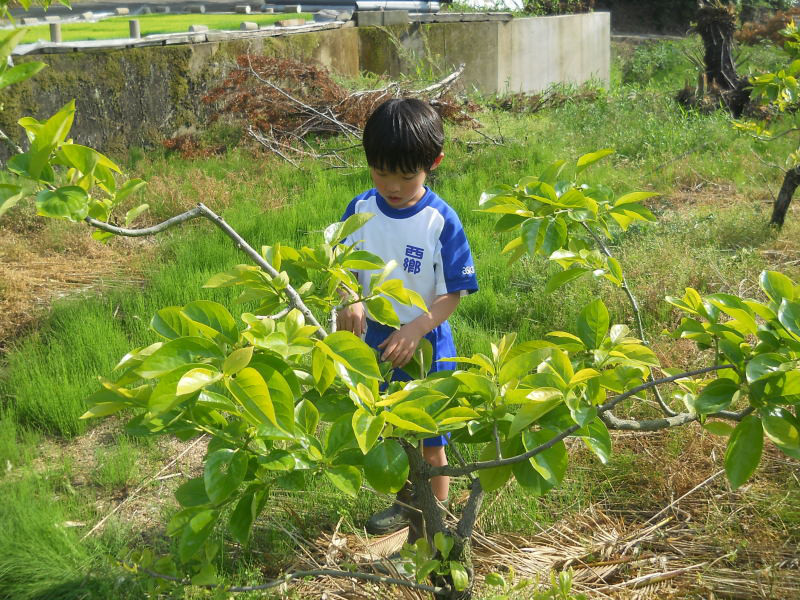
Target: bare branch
(10, 143)
(201, 210)
(471, 510)
(443, 85)
(637, 313)
(287, 577)
(614, 422)
(490, 464)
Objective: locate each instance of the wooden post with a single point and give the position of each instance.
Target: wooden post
(55, 33)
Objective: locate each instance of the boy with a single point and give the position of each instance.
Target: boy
(403, 142)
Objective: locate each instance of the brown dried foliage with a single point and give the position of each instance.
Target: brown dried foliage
(190, 146)
(281, 101)
(753, 33)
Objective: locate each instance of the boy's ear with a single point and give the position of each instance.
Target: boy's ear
(437, 161)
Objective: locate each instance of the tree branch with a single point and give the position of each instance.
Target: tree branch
(299, 575)
(490, 464)
(10, 143)
(637, 313)
(614, 422)
(471, 510)
(201, 210)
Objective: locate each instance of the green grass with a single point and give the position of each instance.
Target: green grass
(711, 234)
(117, 27)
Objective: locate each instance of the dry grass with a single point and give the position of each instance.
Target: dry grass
(58, 259)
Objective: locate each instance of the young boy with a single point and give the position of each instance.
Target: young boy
(403, 142)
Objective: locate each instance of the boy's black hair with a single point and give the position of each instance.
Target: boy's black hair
(403, 136)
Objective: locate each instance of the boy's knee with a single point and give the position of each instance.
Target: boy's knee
(434, 455)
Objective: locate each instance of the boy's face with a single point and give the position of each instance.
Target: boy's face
(401, 190)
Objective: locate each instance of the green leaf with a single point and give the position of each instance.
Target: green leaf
(352, 353)
(459, 575)
(250, 389)
(444, 544)
(716, 396)
(362, 260)
(307, 416)
(322, 370)
(19, 73)
(634, 197)
(555, 236)
(237, 360)
(410, 418)
(176, 353)
(244, 515)
(718, 428)
(213, 319)
(422, 359)
(551, 464)
(789, 316)
(345, 477)
(744, 451)
(593, 324)
(367, 428)
(10, 195)
(195, 533)
(134, 213)
(52, 134)
(495, 580)
(382, 311)
(564, 277)
(85, 159)
(192, 493)
(596, 437)
(782, 427)
(763, 366)
(776, 286)
(129, 187)
(196, 379)
(8, 43)
(494, 478)
(336, 232)
(224, 472)
(591, 158)
(170, 323)
(386, 467)
(70, 202)
(532, 411)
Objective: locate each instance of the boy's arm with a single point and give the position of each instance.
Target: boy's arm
(399, 347)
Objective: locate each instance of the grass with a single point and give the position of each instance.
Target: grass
(711, 235)
(117, 27)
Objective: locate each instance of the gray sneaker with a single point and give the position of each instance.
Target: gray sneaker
(388, 520)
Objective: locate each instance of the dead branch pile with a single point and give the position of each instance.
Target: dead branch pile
(283, 104)
(753, 33)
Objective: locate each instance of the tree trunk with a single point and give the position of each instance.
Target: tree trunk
(716, 26)
(790, 182)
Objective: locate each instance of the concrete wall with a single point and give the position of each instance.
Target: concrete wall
(519, 55)
(137, 96)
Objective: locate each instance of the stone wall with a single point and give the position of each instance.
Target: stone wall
(135, 97)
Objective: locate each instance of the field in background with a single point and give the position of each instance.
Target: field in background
(60, 476)
(117, 27)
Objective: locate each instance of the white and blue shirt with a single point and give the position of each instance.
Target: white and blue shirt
(427, 241)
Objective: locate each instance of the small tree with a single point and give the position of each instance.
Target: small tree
(285, 399)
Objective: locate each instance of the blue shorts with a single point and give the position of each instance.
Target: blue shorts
(440, 338)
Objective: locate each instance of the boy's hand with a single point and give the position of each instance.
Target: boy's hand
(400, 346)
(352, 318)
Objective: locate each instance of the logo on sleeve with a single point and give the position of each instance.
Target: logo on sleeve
(468, 270)
(413, 261)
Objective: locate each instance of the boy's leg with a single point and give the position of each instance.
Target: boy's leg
(436, 457)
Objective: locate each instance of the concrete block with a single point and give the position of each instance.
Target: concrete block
(369, 18)
(265, 8)
(87, 16)
(55, 33)
(198, 28)
(292, 8)
(243, 9)
(30, 21)
(198, 8)
(122, 10)
(248, 26)
(52, 19)
(163, 10)
(395, 17)
(291, 22)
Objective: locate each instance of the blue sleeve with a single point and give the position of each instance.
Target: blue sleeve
(457, 265)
